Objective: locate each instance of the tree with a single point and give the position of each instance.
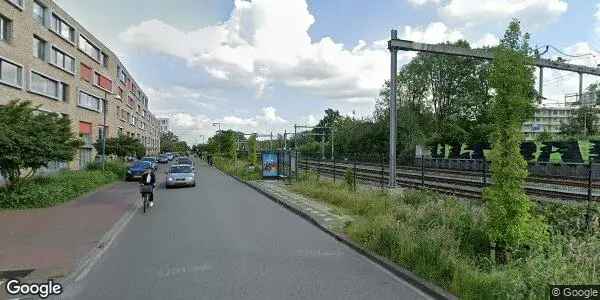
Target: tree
(328, 121)
(510, 222)
(30, 139)
(252, 151)
(122, 146)
(168, 141)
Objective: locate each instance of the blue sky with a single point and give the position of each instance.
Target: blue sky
(264, 65)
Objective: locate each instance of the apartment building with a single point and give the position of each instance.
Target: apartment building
(47, 57)
(164, 125)
(549, 119)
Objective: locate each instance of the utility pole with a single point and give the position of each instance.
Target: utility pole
(332, 133)
(285, 139)
(392, 104)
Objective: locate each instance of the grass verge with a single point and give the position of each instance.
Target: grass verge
(47, 191)
(443, 240)
(239, 168)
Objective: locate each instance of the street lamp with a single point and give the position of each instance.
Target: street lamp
(104, 109)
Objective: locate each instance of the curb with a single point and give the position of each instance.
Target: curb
(404, 274)
(93, 256)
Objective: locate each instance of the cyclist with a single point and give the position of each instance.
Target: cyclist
(209, 158)
(149, 178)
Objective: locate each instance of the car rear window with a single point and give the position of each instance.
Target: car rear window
(181, 169)
(140, 164)
(185, 161)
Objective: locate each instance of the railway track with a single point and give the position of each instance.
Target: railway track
(461, 184)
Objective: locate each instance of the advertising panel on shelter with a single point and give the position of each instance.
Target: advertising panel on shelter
(269, 164)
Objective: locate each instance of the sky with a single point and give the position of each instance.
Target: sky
(264, 65)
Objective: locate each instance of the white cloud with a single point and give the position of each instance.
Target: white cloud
(488, 40)
(267, 41)
(471, 12)
(434, 33)
(559, 83)
(422, 2)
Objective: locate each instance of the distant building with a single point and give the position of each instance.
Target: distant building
(548, 119)
(164, 125)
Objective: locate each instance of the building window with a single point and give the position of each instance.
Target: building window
(90, 102)
(48, 87)
(17, 3)
(63, 29)
(104, 59)
(85, 72)
(39, 13)
(5, 28)
(63, 60)
(39, 48)
(89, 48)
(102, 82)
(10, 73)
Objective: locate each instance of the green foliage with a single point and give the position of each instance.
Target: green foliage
(238, 168)
(116, 167)
(30, 139)
(252, 151)
(444, 240)
(122, 146)
(168, 140)
(41, 192)
(511, 224)
(349, 178)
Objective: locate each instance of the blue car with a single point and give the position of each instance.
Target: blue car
(135, 170)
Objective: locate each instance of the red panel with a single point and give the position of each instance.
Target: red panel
(104, 82)
(85, 128)
(86, 73)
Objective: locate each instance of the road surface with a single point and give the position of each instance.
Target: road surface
(223, 240)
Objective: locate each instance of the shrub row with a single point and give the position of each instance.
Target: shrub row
(238, 168)
(47, 191)
(443, 240)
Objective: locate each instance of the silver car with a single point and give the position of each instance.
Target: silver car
(181, 175)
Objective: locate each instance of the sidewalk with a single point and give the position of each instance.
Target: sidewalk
(52, 241)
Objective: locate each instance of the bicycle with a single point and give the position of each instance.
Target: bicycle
(146, 191)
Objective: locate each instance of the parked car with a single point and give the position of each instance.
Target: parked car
(184, 161)
(136, 169)
(163, 159)
(180, 175)
(152, 160)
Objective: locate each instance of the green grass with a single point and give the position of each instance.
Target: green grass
(239, 168)
(47, 191)
(443, 240)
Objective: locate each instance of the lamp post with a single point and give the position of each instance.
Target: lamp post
(104, 109)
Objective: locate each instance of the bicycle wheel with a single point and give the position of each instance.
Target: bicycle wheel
(145, 202)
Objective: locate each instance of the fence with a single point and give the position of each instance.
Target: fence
(461, 177)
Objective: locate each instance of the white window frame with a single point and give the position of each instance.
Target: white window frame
(22, 73)
(45, 50)
(5, 29)
(61, 97)
(101, 100)
(20, 4)
(64, 53)
(93, 45)
(58, 31)
(44, 12)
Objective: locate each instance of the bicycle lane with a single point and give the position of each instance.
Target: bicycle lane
(40, 244)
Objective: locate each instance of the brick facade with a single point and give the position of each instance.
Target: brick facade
(81, 63)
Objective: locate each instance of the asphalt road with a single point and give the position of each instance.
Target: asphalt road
(223, 240)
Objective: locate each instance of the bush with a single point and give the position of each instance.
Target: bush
(116, 167)
(444, 240)
(47, 191)
(238, 168)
